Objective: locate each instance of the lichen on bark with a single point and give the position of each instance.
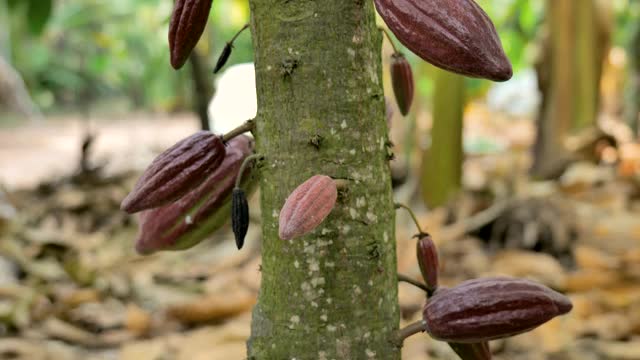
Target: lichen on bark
(331, 294)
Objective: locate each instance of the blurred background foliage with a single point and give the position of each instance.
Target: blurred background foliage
(74, 53)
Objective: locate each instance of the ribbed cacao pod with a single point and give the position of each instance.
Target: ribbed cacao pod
(427, 254)
(176, 171)
(456, 35)
(307, 206)
(239, 216)
(491, 308)
(189, 220)
(188, 21)
(475, 351)
(403, 84)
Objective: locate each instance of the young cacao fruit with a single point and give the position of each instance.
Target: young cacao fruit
(176, 171)
(193, 217)
(239, 216)
(307, 206)
(474, 351)
(456, 35)
(428, 261)
(491, 308)
(403, 84)
(188, 21)
(224, 57)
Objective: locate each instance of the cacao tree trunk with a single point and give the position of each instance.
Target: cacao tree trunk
(442, 161)
(569, 72)
(331, 294)
(202, 88)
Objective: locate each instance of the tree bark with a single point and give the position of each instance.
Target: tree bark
(331, 294)
(442, 161)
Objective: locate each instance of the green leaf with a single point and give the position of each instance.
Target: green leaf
(38, 14)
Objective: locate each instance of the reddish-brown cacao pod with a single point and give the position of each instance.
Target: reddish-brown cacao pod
(176, 171)
(307, 206)
(475, 351)
(197, 214)
(402, 80)
(188, 21)
(491, 308)
(456, 35)
(428, 261)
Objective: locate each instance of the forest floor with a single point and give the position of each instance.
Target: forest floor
(72, 287)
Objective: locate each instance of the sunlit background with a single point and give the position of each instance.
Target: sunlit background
(536, 177)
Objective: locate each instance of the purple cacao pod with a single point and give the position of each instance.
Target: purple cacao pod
(475, 351)
(176, 171)
(456, 35)
(428, 261)
(491, 308)
(403, 84)
(307, 206)
(188, 20)
(196, 215)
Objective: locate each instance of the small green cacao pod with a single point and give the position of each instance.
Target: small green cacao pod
(403, 83)
(427, 254)
(455, 35)
(176, 171)
(307, 206)
(189, 220)
(491, 308)
(188, 20)
(239, 216)
(474, 351)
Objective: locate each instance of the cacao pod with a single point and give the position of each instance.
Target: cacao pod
(456, 35)
(176, 171)
(403, 84)
(239, 216)
(188, 21)
(491, 308)
(428, 261)
(307, 206)
(193, 217)
(224, 57)
(475, 351)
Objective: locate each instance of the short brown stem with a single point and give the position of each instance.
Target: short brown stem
(407, 331)
(416, 283)
(247, 126)
(246, 162)
(386, 33)
(413, 216)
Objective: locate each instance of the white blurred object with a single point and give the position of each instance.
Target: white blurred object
(518, 96)
(235, 99)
